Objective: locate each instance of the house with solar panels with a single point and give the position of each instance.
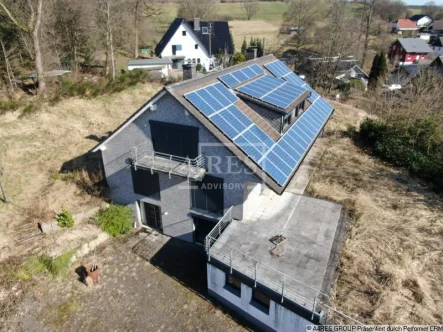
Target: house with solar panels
(209, 160)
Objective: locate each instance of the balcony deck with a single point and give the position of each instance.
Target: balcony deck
(173, 165)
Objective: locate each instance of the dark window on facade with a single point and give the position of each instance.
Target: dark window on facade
(193, 60)
(183, 33)
(145, 183)
(260, 301)
(202, 228)
(173, 139)
(205, 30)
(207, 194)
(233, 285)
(198, 60)
(196, 46)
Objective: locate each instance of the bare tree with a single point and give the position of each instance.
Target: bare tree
(31, 11)
(432, 9)
(250, 7)
(142, 9)
(109, 14)
(190, 9)
(302, 16)
(368, 12)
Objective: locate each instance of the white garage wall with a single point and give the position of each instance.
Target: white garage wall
(279, 318)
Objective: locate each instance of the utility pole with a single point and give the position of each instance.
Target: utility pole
(1, 187)
(210, 40)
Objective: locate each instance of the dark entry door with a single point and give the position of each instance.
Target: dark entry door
(152, 216)
(173, 139)
(202, 228)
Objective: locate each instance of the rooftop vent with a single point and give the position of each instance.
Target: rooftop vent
(251, 53)
(196, 24)
(189, 71)
(277, 239)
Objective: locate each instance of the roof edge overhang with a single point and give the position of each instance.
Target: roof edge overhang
(284, 111)
(131, 119)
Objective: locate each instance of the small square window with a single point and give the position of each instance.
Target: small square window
(183, 33)
(233, 285)
(196, 46)
(205, 30)
(260, 301)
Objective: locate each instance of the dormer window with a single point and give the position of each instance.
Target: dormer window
(205, 30)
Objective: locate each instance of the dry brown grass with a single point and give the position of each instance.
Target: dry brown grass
(390, 269)
(38, 145)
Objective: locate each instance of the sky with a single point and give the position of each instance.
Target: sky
(421, 2)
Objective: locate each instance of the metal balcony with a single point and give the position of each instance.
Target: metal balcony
(193, 169)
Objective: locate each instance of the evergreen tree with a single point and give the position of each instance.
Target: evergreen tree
(232, 45)
(244, 46)
(375, 72)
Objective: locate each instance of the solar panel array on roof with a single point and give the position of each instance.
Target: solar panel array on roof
(279, 69)
(278, 160)
(272, 90)
(223, 113)
(242, 75)
(289, 151)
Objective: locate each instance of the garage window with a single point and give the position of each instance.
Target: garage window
(145, 183)
(260, 301)
(233, 285)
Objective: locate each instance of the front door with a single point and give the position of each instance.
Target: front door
(151, 215)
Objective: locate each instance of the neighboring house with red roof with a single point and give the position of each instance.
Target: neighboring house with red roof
(402, 26)
(408, 51)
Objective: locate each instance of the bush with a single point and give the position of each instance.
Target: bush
(9, 105)
(198, 67)
(36, 265)
(65, 219)
(115, 220)
(416, 145)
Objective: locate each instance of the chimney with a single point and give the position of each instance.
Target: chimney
(251, 53)
(189, 71)
(196, 24)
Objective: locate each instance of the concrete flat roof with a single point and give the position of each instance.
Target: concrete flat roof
(310, 227)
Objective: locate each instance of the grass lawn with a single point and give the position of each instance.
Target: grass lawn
(268, 11)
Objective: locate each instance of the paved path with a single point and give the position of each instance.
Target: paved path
(133, 295)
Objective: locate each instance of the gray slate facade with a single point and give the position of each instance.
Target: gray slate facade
(175, 195)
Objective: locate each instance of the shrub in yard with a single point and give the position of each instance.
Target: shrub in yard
(65, 219)
(198, 67)
(115, 220)
(416, 145)
(36, 265)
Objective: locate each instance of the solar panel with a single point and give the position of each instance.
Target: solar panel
(277, 68)
(272, 90)
(285, 155)
(241, 75)
(277, 159)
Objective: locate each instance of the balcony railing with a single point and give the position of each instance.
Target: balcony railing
(218, 230)
(144, 157)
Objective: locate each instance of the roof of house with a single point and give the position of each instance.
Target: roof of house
(418, 17)
(150, 62)
(405, 23)
(220, 37)
(414, 45)
(438, 62)
(273, 157)
(437, 42)
(437, 25)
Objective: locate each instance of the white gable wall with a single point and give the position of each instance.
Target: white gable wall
(188, 47)
(424, 21)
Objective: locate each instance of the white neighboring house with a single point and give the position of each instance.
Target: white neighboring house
(161, 66)
(421, 20)
(192, 42)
